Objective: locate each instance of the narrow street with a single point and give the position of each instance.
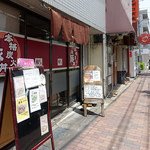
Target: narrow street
(126, 125)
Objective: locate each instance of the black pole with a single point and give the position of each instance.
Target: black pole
(50, 67)
(50, 74)
(68, 76)
(80, 73)
(25, 39)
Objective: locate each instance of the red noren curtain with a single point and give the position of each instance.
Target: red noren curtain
(67, 30)
(71, 31)
(56, 24)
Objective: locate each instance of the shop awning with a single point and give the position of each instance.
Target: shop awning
(117, 20)
(71, 31)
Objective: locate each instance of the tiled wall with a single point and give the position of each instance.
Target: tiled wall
(91, 12)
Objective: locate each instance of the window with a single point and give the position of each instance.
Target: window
(145, 29)
(145, 16)
(37, 26)
(9, 18)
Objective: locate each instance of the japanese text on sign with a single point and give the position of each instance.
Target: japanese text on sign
(74, 57)
(93, 91)
(8, 52)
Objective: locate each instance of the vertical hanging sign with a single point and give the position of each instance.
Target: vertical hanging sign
(135, 10)
(130, 53)
(74, 57)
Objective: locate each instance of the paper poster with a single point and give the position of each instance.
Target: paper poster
(43, 94)
(19, 86)
(39, 61)
(93, 91)
(22, 109)
(42, 79)
(109, 80)
(44, 124)
(31, 77)
(88, 76)
(96, 75)
(34, 100)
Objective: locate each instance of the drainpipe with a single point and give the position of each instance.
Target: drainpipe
(104, 65)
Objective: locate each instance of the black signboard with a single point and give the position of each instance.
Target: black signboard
(25, 115)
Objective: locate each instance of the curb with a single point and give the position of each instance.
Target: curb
(115, 99)
(67, 111)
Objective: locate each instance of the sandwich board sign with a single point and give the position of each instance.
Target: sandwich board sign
(25, 115)
(93, 91)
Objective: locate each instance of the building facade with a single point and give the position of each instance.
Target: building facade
(119, 29)
(143, 27)
(29, 23)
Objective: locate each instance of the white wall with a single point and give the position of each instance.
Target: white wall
(125, 60)
(132, 65)
(143, 22)
(91, 12)
(119, 59)
(127, 4)
(95, 53)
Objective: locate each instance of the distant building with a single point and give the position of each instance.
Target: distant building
(143, 27)
(143, 24)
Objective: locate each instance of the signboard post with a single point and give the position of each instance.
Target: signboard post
(25, 115)
(93, 91)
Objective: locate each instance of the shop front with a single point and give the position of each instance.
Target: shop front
(118, 26)
(122, 66)
(24, 34)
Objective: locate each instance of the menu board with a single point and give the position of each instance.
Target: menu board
(93, 91)
(92, 78)
(25, 99)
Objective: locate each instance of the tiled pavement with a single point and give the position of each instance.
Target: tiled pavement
(126, 125)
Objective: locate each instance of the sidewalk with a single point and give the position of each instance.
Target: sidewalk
(71, 123)
(126, 125)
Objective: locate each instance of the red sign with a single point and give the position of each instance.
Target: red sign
(144, 38)
(130, 53)
(9, 51)
(74, 57)
(135, 10)
(12, 47)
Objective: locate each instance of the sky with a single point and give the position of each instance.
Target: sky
(145, 4)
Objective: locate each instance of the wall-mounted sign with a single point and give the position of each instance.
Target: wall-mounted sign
(74, 57)
(9, 51)
(144, 38)
(39, 62)
(22, 62)
(130, 53)
(59, 61)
